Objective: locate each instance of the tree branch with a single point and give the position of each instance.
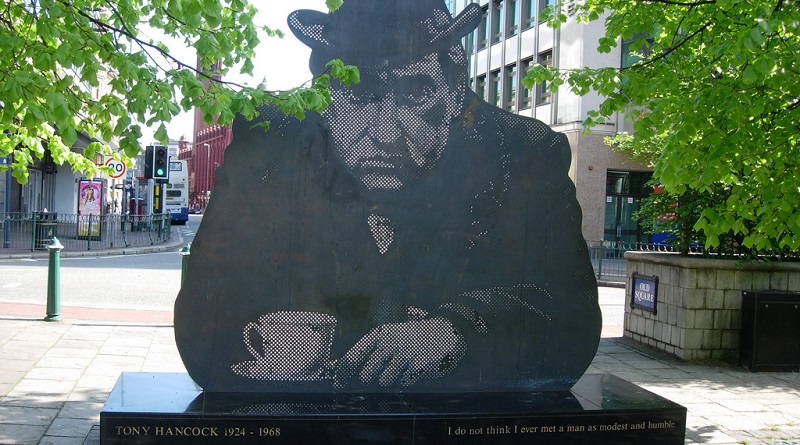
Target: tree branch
(144, 45)
(674, 48)
(127, 33)
(676, 3)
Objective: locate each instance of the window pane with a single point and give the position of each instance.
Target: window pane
(481, 91)
(527, 95)
(511, 88)
(483, 30)
(513, 18)
(642, 43)
(542, 93)
(495, 89)
(528, 13)
(497, 21)
(544, 4)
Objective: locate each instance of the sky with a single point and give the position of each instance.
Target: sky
(284, 62)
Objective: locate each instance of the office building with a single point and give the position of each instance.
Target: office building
(509, 40)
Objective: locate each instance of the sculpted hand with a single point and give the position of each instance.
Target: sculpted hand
(404, 353)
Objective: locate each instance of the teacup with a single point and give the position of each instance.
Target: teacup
(294, 345)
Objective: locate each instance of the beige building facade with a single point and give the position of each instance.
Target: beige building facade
(509, 40)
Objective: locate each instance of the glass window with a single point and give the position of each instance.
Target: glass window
(527, 95)
(629, 56)
(483, 30)
(542, 93)
(544, 4)
(451, 6)
(528, 13)
(497, 21)
(511, 88)
(481, 90)
(494, 94)
(512, 19)
(627, 183)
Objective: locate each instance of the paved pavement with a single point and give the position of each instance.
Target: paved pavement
(56, 376)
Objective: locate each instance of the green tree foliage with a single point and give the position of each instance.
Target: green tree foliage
(54, 52)
(715, 103)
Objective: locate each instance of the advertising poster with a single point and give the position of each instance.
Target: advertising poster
(90, 205)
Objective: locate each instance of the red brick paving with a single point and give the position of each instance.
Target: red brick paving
(86, 313)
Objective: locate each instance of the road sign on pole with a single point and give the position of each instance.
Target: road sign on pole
(118, 168)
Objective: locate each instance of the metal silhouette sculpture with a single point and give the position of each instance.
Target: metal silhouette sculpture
(413, 238)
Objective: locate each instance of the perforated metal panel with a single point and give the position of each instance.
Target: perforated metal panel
(412, 238)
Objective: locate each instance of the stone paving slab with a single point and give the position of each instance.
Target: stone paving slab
(57, 376)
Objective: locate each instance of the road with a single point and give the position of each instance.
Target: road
(148, 281)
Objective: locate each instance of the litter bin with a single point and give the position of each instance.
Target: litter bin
(45, 227)
(770, 335)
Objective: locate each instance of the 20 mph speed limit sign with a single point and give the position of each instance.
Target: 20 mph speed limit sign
(118, 168)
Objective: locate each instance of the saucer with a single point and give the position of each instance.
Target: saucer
(264, 370)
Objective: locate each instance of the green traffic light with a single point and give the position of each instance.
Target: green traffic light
(160, 172)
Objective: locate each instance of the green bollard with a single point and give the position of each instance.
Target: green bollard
(185, 252)
(53, 281)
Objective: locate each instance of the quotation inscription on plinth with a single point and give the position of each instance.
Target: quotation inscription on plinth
(548, 429)
(492, 430)
(596, 411)
(432, 431)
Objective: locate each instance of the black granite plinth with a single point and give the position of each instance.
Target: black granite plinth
(166, 408)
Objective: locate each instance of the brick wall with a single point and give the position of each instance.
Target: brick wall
(699, 302)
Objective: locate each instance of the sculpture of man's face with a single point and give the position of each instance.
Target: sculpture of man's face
(394, 125)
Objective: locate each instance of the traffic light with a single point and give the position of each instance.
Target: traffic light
(148, 162)
(160, 162)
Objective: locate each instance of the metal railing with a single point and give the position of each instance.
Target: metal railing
(33, 231)
(608, 260)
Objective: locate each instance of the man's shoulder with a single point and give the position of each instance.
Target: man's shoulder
(528, 128)
(521, 138)
(510, 126)
(521, 149)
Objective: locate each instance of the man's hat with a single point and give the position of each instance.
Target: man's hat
(381, 33)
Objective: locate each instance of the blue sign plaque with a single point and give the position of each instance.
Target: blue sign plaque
(644, 292)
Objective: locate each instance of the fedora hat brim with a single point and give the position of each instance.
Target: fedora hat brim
(315, 30)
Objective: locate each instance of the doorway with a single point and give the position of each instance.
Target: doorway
(624, 190)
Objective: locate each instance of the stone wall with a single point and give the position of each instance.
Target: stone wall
(699, 302)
